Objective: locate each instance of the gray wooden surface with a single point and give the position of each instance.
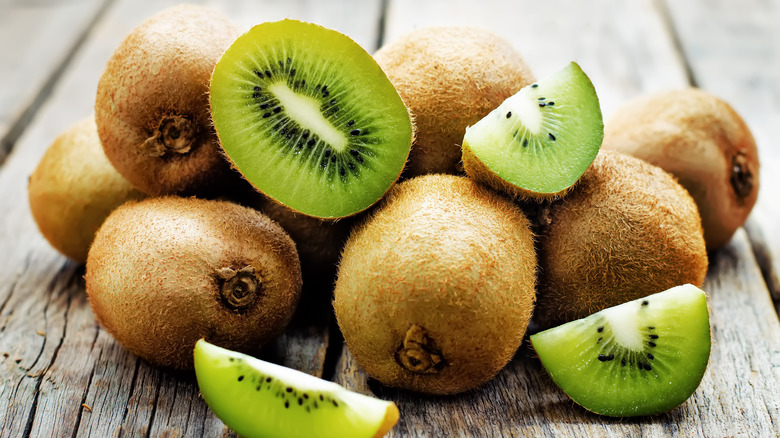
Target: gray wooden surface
(62, 375)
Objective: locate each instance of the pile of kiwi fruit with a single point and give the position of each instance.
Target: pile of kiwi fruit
(440, 197)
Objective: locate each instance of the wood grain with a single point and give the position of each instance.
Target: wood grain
(733, 49)
(62, 375)
(38, 42)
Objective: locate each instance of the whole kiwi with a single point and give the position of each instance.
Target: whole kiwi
(74, 188)
(627, 230)
(450, 77)
(152, 107)
(704, 143)
(165, 272)
(435, 290)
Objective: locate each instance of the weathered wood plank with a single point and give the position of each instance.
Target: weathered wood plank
(737, 396)
(733, 49)
(627, 50)
(62, 375)
(38, 41)
(622, 46)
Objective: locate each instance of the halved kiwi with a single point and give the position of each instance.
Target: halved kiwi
(643, 357)
(261, 399)
(540, 141)
(309, 118)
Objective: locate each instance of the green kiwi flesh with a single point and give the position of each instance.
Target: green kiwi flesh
(256, 398)
(643, 357)
(309, 118)
(538, 142)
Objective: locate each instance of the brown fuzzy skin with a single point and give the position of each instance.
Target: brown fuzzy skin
(160, 73)
(319, 241)
(450, 78)
(447, 256)
(626, 231)
(702, 141)
(74, 188)
(153, 277)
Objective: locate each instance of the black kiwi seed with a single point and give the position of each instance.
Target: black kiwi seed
(550, 103)
(286, 404)
(622, 362)
(355, 132)
(509, 114)
(288, 389)
(542, 105)
(542, 98)
(650, 356)
(354, 152)
(600, 329)
(321, 398)
(277, 110)
(645, 302)
(653, 336)
(300, 401)
(652, 344)
(240, 378)
(525, 142)
(266, 115)
(268, 379)
(350, 123)
(335, 403)
(534, 85)
(599, 340)
(552, 137)
(327, 152)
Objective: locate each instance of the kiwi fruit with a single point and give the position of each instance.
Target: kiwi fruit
(704, 143)
(165, 272)
(450, 77)
(152, 107)
(540, 141)
(256, 398)
(74, 188)
(643, 357)
(627, 230)
(309, 119)
(436, 288)
(318, 241)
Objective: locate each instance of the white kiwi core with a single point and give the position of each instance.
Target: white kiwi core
(305, 111)
(623, 321)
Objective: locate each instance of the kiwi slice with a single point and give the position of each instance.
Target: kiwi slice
(309, 118)
(261, 399)
(643, 357)
(540, 141)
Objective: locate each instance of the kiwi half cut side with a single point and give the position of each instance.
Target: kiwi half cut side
(261, 399)
(309, 118)
(643, 357)
(540, 141)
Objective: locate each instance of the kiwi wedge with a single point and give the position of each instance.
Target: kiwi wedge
(643, 357)
(540, 141)
(261, 399)
(309, 118)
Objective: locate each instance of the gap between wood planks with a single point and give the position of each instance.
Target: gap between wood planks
(17, 127)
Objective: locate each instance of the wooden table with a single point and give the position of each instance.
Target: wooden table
(62, 375)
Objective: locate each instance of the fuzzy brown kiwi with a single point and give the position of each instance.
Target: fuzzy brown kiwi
(319, 241)
(435, 290)
(450, 77)
(74, 188)
(704, 143)
(627, 230)
(165, 272)
(152, 106)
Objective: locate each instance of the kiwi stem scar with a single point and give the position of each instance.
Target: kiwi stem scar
(175, 134)
(239, 289)
(418, 354)
(306, 112)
